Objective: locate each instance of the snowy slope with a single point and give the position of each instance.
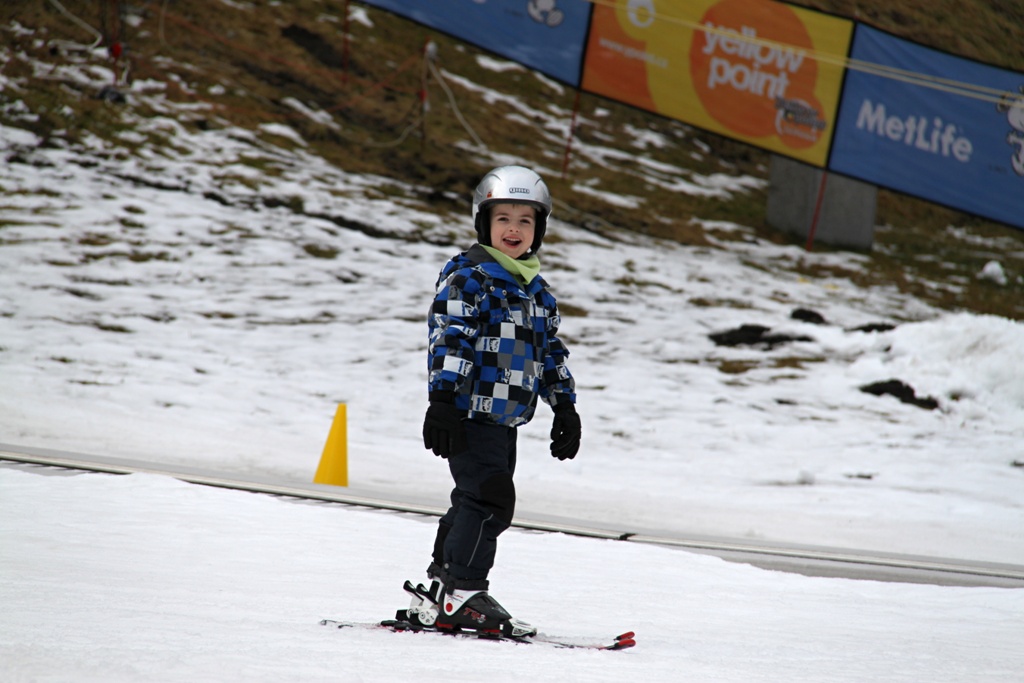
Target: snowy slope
(110, 578)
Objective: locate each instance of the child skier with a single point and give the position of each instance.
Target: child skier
(493, 352)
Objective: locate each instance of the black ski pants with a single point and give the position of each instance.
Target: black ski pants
(482, 504)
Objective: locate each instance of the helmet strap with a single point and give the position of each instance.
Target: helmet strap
(483, 226)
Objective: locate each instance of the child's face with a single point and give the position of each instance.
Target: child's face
(512, 228)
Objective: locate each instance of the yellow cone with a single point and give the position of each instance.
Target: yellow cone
(333, 467)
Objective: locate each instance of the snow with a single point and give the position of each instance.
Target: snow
(994, 271)
(498, 65)
(185, 309)
(129, 578)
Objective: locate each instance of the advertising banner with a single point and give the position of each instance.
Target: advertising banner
(933, 125)
(545, 35)
(757, 71)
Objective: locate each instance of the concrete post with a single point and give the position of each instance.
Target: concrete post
(846, 217)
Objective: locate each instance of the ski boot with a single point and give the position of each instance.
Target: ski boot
(476, 611)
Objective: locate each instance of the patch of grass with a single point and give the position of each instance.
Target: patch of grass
(940, 265)
(294, 203)
(136, 256)
(8, 223)
(567, 309)
(702, 302)
(95, 240)
(986, 31)
(321, 251)
(630, 282)
(112, 327)
(737, 367)
(266, 167)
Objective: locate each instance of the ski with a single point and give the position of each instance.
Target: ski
(620, 642)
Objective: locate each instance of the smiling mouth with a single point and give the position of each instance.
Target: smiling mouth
(512, 241)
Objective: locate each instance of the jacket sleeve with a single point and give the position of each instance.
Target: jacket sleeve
(558, 385)
(453, 324)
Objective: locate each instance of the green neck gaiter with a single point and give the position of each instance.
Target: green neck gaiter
(523, 270)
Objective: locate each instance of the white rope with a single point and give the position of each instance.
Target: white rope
(455, 107)
(68, 44)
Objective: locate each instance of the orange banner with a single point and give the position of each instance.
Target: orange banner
(754, 70)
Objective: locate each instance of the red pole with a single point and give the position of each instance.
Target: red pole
(817, 211)
(572, 130)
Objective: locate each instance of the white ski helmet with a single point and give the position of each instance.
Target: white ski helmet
(511, 185)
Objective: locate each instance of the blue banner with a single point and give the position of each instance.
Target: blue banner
(545, 35)
(932, 125)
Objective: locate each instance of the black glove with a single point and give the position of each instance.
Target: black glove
(565, 432)
(443, 431)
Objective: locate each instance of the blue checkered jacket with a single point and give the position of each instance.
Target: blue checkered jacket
(494, 343)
